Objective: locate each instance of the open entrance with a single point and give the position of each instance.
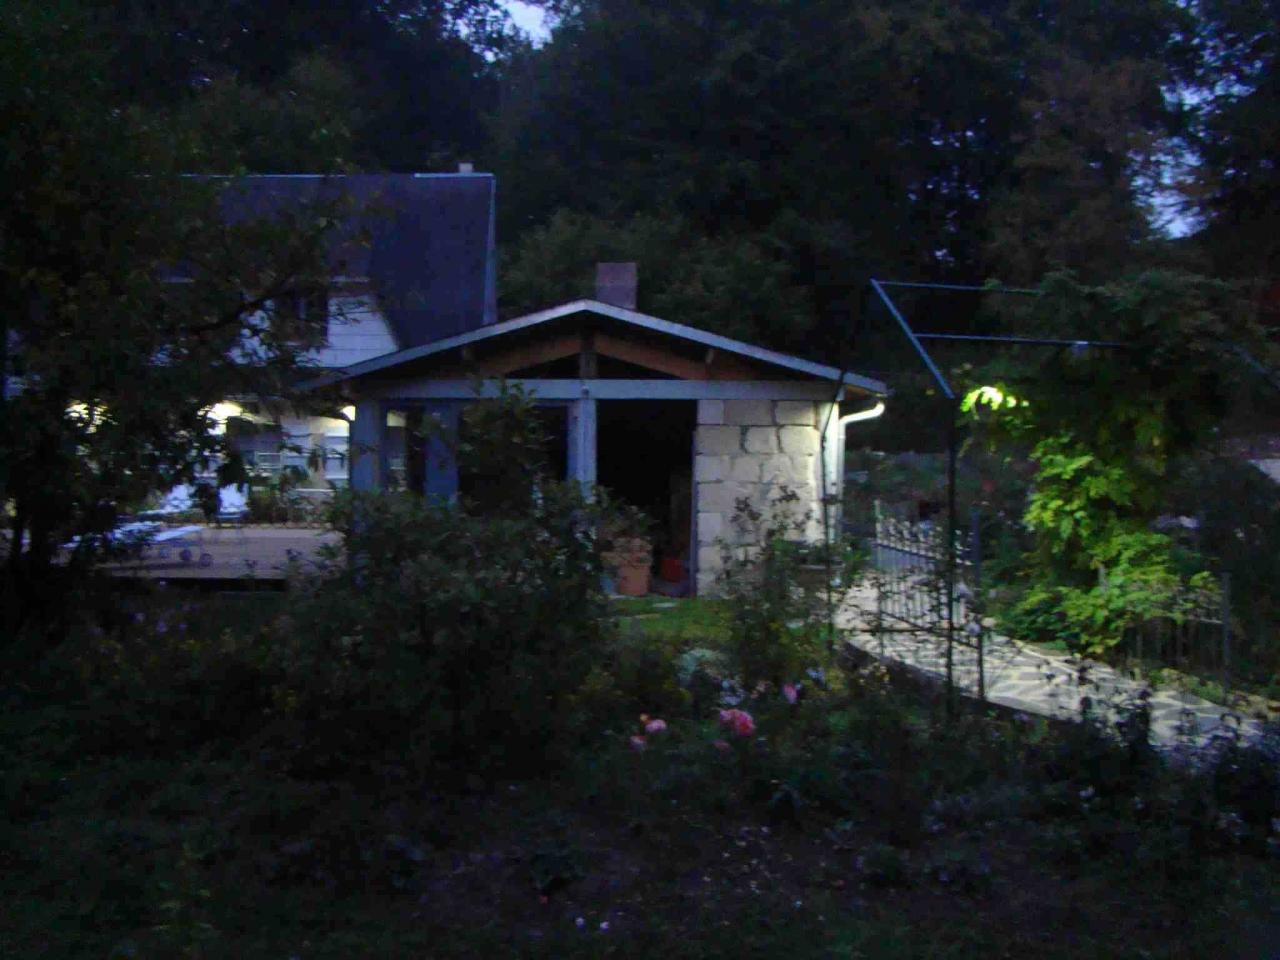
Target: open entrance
(644, 457)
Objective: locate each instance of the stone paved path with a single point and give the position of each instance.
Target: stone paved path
(1038, 682)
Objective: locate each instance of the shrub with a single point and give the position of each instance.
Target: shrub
(449, 633)
(170, 673)
(777, 618)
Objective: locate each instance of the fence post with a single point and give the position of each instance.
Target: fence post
(1226, 634)
(974, 603)
(975, 546)
(951, 558)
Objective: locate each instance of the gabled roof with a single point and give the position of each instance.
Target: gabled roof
(631, 317)
(430, 251)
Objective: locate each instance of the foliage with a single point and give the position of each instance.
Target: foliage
(990, 139)
(119, 364)
(1104, 427)
(307, 119)
(361, 66)
(1235, 185)
(777, 626)
(170, 674)
(736, 286)
(1237, 512)
(851, 816)
(274, 499)
(458, 632)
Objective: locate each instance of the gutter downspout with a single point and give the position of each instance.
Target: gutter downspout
(855, 417)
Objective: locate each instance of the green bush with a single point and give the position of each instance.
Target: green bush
(448, 634)
(778, 622)
(169, 673)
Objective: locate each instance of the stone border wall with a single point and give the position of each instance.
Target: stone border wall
(752, 449)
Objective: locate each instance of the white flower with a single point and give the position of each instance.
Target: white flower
(604, 926)
(580, 923)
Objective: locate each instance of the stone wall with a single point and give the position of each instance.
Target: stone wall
(753, 449)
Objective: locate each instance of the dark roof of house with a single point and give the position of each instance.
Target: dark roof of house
(624, 316)
(424, 241)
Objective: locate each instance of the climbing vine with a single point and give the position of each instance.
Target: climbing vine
(1103, 426)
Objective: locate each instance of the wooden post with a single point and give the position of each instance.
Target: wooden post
(582, 442)
(441, 473)
(364, 448)
(1226, 635)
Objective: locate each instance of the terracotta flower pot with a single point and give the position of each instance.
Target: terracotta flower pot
(632, 559)
(633, 581)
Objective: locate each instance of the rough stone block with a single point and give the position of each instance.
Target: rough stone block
(710, 560)
(718, 497)
(797, 412)
(803, 440)
(708, 584)
(707, 468)
(711, 527)
(776, 470)
(805, 469)
(749, 413)
(719, 440)
(711, 411)
(762, 440)
(745, 469)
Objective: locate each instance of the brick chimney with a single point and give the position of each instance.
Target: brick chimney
(616, 284)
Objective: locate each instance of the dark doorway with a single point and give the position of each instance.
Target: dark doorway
(644, 457)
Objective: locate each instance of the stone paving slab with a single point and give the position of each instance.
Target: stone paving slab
(1041, 682)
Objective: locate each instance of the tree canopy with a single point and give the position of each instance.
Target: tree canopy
(900, 137)
(131, 304)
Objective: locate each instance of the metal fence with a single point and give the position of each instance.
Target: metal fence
(924, 589)
(1197, 639)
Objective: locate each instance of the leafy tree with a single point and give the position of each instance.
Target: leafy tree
(131, 305)
(932, 141)
(306, 120)
(421, 74)
(1238, 180)
(732, 285)
(1105, 428)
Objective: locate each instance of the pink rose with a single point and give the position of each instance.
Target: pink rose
(637, 743)
(738, 722)
(790, 693)
(655, 726)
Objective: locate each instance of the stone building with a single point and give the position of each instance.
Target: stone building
(677, 421)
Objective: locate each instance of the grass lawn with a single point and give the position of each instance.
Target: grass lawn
(859, 822)
(698, 621)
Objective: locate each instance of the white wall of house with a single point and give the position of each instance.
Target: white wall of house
(752, 450)
(357, 331)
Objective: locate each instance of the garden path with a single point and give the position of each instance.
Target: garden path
(1041, 682)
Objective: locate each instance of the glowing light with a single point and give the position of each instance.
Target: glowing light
(86, 416)
(349, 412)
(220, 413)
(989, 396)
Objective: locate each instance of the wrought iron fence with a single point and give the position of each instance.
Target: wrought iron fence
(927, 590)
(1197, 638)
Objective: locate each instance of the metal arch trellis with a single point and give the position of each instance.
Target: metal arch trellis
(928, 577)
